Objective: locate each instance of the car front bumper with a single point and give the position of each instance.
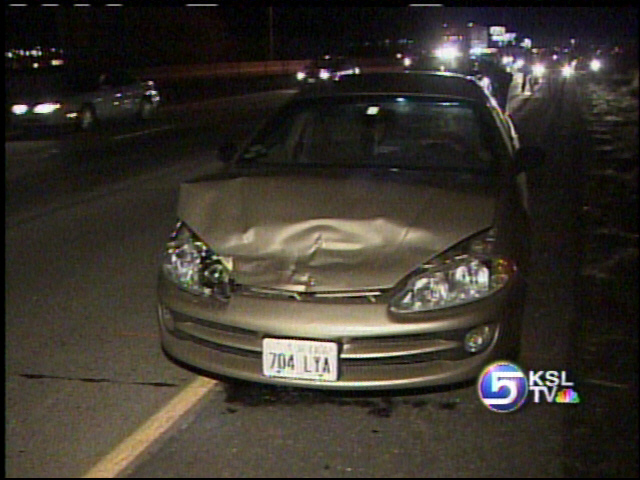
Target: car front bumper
(53, 119)
(376, 349)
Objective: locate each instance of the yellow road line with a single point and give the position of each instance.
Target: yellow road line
(130, 449)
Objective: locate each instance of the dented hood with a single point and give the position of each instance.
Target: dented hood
(311, 234)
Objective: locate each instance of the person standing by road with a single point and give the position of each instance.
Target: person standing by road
(526, 76)
(500, 81)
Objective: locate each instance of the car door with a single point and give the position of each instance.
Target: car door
(131, 93)
(108, 102)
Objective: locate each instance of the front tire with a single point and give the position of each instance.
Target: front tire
(88, 119)
(147, 109)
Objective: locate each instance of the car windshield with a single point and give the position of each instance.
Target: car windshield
(388, 131)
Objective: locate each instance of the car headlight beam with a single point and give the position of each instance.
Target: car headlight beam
(539, 69)
(568, 69)
(470, 272)
(19, 109)
(46, 107)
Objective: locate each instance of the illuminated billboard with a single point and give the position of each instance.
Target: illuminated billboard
(497, 33)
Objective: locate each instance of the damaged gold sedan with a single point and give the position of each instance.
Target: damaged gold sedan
(374, 233)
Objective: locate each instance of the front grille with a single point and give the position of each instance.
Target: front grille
(219, 347)
(354, 352)
(451, 336)
(182, 318)
(345, 297)
(448, 355)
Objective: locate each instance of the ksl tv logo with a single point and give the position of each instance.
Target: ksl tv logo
(504, 387)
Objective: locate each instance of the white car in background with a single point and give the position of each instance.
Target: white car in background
(328, 68)
(78, 97)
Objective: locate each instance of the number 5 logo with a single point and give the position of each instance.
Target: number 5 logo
(503, 387)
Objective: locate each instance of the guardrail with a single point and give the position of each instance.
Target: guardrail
(275, 67)
(278, 67)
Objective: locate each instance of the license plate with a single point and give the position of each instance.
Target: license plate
(304, 359)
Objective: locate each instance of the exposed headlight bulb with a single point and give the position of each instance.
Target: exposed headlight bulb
(193, 266)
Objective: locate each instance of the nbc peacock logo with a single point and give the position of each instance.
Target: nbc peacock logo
(567, 396)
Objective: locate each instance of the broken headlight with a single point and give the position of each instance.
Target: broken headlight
(468, 272)
(193, 266)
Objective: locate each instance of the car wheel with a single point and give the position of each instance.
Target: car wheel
(147, 109)
(88, 119)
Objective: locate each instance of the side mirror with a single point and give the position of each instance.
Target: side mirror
(529, 158)
(226, 151)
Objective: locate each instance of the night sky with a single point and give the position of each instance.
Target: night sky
(235, 30)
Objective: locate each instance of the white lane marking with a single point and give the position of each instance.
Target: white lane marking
(143, 132)
(128, 451)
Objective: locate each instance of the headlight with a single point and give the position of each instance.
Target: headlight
(301, 75)
(193, 266)
(448, 52)
(19, 109)
(46, 107)
(567, 70)
(324, 74)
(538, 69)
(468, 272)
(595, 65)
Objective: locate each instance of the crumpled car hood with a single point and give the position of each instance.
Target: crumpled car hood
(325, 234)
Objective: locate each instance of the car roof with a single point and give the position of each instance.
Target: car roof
(437, 84)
